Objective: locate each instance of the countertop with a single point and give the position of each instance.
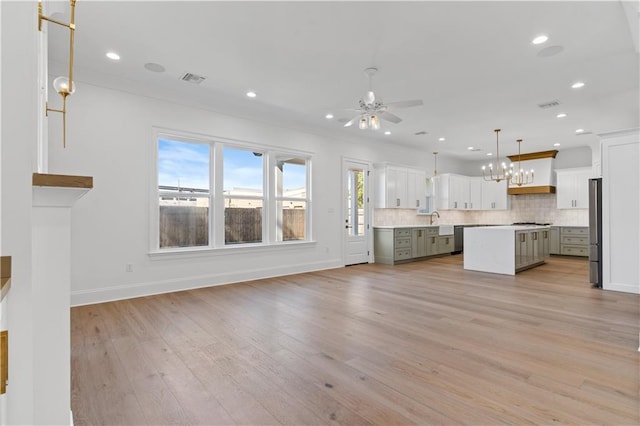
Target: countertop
(514, 227)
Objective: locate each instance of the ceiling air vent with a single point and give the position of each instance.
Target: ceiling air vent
(549, 104)
(420, 133)
(192, 78)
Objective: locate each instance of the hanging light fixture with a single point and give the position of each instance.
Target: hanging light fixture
(500, 172)
(435, 163)
(63, 85)
(374, 122)
(520, 177)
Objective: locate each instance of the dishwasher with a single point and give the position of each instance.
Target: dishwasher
(458, 239)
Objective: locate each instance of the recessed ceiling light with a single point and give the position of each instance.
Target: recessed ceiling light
(387, 132)
(489, 154)
(251, 94)
(556, 144)
(579, 130)
(470, 148)
(561, 115)
(577, 85)
(441, 139)
(113, 56)
(540, 39)
(328, 116)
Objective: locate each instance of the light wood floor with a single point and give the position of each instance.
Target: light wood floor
(425, 343)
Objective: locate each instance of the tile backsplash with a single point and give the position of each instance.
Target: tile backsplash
(540, 208)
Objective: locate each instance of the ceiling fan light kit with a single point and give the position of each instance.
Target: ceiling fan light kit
(371, 110)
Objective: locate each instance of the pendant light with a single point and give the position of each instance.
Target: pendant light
(500, 172)
(520, 177)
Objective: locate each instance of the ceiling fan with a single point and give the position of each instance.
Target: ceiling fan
(372, 109)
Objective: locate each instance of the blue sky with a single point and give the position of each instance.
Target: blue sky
(187, 164)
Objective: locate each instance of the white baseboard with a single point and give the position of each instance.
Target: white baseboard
(625, 288)
(129, 291)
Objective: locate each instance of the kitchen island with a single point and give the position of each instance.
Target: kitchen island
(505, 249)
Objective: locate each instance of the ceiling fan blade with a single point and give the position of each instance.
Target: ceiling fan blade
(350, 122)
(370, 98)
(390, 117)
(405, 104)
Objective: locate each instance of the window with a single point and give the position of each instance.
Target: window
(290, 174)
(243, 195)
(183, 191)
(214, 194)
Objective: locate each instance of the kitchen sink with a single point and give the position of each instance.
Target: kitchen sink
(445, 230)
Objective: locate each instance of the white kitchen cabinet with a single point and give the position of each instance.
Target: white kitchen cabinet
(573, 188)
(457, 192)
(416, 189)
(399, 187)
(494, 195)
(475, 193)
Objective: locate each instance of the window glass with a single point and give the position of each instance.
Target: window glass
(183, 188)
(183, 164)
(242, 220)
(291, 177)
(243, 192)
(292, 217)
(243, 172)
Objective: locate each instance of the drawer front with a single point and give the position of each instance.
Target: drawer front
(403, 243)
(403, 254)
(574, 250)
(576, 241)
(432, 231)
(575, 230)
(403, 232)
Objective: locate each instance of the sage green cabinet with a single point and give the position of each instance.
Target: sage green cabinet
(554, 240)
(418, 242)
(445, 244)
(399, 245)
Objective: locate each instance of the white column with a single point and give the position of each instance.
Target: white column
(51, 275)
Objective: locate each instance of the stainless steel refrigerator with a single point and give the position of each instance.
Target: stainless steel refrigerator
(595, 232)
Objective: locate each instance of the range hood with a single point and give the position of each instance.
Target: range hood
(543, 164)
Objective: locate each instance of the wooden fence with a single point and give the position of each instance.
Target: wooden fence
(188, 226)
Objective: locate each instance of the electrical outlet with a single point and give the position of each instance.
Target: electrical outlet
(129, 267)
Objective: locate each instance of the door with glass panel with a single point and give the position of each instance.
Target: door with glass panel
(356, 215)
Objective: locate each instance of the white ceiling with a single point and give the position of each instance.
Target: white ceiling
(472, 63)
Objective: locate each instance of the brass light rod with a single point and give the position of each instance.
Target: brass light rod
(64, 92)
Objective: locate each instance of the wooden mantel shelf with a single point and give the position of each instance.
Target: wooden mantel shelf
(59, 190)
(62, 181)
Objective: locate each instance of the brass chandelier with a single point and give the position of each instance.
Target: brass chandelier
(500, 172)
(520, 177)
(63, 85)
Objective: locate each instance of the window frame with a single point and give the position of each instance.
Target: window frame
(270, 155)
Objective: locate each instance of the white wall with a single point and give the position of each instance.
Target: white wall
(18, 139)
(110, 138)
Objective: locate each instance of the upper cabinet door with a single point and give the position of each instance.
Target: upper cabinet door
(475, 193)
(494, 195)
(399, 187)
(572, 189)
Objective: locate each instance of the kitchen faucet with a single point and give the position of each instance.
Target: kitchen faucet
(431, 216)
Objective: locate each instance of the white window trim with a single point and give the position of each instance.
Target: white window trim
(217, 244)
